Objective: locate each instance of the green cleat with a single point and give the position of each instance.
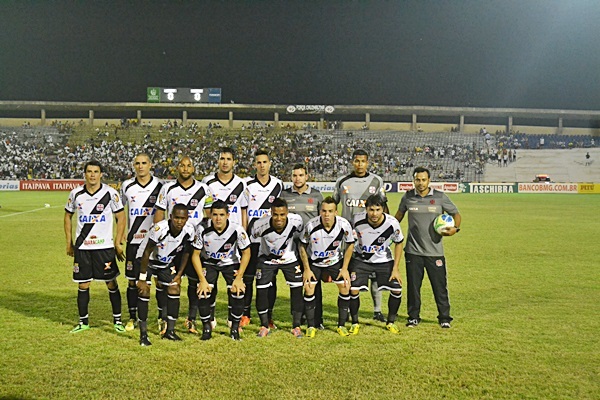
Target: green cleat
(311, 332)
(342, 331)
(392, 328)
(119, 327)
(80, 328)
(130, 325)
(354, 329)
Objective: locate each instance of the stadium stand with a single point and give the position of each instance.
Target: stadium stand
(60, 150)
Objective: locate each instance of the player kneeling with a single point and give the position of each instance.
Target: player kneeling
(217, 250)
(375, 231)
(321, 252)
(164, 253)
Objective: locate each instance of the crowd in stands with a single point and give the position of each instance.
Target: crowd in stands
(454, 156)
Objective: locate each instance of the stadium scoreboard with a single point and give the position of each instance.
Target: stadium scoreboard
(183, 95)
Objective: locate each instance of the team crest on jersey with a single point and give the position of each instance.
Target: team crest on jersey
(432, 201)
(233, 198)
(372, 189)
(107, 265)
(76, 268)
(336, 243)
(439, 263)
(179, 249)
(152, 199)
(258, 273)
(194, 203)
(380, 240)
(271, 199)
(227, 246)
(100, 207)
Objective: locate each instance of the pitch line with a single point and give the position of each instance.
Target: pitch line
(25, 212)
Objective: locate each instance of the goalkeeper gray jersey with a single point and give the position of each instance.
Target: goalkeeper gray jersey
(352, 191)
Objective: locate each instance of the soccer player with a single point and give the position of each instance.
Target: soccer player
(424, 247)
(375, 232)
(164, 253)
(277, 235)
(261, 191)
(228, 187)
(94, 251)
(305, 201)
(197, 196)
(221, 246)
(320, 252)
(139, 194)
(352, 191)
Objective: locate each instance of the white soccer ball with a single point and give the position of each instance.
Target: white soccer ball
(47, 205)
(442, 222)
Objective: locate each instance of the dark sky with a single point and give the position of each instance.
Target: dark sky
(502, 53)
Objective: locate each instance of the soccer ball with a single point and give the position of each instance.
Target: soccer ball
(443, 221)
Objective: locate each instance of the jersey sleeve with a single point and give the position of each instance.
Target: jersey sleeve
(448, 206)
(243, 241)
(348, 232)
(336, 191)
(116, 204)
(155, 234)
(402, 206)
(397, 236)
(198, 242)
(381, 189)
(210, 197)
(70, 206)
(161, 203)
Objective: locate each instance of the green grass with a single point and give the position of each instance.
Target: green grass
(523, 280)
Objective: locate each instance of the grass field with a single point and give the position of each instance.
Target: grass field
(524, 285)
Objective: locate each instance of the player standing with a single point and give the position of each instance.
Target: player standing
(164, 253)
(197, 196)
(306, 201)
(424, 247)
(221, 246)
(261, 191)
(277, 235)
(352, 191)
(94, 251)
(321, 251)
(375, 232)
(139, 194)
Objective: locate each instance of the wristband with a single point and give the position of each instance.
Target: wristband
(143, 276)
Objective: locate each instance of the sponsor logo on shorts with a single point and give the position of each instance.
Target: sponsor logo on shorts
(76, 268)
(353, 276)
(129, 266)
(258, 273)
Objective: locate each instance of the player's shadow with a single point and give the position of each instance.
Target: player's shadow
(54, 306)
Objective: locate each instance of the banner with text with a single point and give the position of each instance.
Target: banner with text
(51, 185)
(9, 185)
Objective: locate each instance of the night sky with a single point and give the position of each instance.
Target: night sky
(502, 53)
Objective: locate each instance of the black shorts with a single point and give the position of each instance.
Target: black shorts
(164, 276)
(265, 273)
(132, 269)
(252, 264)
(328, 274)
(99, 265)
(360, 272)
(211, 273)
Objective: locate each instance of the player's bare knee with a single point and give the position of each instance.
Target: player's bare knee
(112, 285)
(144, 292)
(84, 285)
(174, 290)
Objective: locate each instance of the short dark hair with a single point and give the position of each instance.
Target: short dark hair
(261, 152)
(279, 202)
(375, 200)
(360, 152)
(421, 169)
(229, 150)
(179, 206)
(301, 166)
(328, 200)
(94, 163)
(220, 205)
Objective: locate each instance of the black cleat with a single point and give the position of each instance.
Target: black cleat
(412, 323)
(206, 334)
(144, 342)
(235, 335)
(378, 316)
(171, 335)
